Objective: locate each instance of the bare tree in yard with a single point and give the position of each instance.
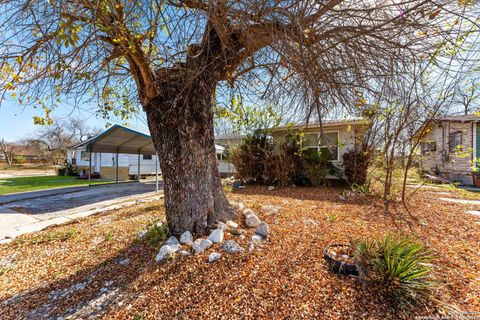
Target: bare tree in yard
(467, 95)
(52, 141)
(176, 57)
(7, 150)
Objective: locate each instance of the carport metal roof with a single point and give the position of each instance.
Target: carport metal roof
(120, 139)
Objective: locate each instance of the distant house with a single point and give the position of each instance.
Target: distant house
(120, 153)
(339, 136)
(22, 153)
(229, 140)
(449, 146)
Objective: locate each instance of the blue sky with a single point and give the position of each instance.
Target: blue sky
(16, 122)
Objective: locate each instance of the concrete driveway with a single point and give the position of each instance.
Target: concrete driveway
(32, 211)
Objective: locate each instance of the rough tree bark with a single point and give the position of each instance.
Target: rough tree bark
(180, 120)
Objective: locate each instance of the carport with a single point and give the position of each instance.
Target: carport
(119, 139)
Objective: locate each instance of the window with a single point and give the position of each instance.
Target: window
(85, 156)
(310, 140)
(147, 157)
(454, 140)
(311, 143)
(427, 147)
(330, 144)
(219, 157)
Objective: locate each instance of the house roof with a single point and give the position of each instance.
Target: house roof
(459, 118)
(325, 124)
(123, 140)
(450, 118)
(230, 137)
(22, 150)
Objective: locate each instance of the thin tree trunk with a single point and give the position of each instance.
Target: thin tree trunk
(181, 125)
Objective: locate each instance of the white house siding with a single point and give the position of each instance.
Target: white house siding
(147, 166)
(453, 166)
(104, 163)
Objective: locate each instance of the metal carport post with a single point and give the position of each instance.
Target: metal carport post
(156, 172)
(89, 168)
(116, 167)
(138, 172)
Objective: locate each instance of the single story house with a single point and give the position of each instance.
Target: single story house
(229, 140)
(120, 153)
(449, 147)
(339, 136)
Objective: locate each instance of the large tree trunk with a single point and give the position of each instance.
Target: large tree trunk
(181, 125)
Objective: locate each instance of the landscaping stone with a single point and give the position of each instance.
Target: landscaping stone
(222, 226)
(256, 238)
(270, 188)
(142, 234)
(251, 246)
(213, 257)
(172, 240)
(166, 251)
(270, 209)
(231, 246)
(186, 238)
(236, 232)
(124, 262)
(8, 262)
(201, 245)
(98, 240)
(232, 224)
(240, 205)
(248, 211)
(262, 230)
(216, 236)
(252, 221)
(185, 253)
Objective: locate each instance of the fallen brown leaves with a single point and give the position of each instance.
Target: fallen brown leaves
(286, 278)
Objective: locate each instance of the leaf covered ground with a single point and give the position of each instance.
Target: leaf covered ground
(81, 268)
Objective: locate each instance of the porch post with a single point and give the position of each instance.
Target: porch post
(156, 172)
(89, 167)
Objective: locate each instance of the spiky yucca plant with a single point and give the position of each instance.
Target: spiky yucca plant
(398, 265)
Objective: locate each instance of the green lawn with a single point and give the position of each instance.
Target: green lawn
(24, 184)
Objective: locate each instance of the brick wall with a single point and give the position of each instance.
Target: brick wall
(110, 172)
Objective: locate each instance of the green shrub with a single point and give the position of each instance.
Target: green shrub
(157, 233)
(67, 170)
(20, 159)
(318, 165)
(399, 267)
